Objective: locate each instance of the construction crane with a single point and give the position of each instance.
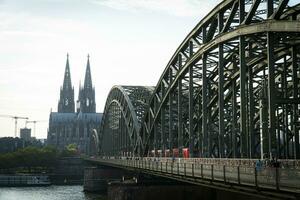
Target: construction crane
(34, 124)
(16, 121)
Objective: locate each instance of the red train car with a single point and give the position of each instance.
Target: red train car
(185, 152)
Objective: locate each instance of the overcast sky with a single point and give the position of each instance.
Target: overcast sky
(129, 41)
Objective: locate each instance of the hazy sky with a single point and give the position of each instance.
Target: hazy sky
(129, 41)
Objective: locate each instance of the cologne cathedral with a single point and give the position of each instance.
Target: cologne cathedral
(67, 126)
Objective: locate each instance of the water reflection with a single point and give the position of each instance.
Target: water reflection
(48, 193)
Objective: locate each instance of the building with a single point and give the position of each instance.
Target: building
(69, 127)
(25, 134)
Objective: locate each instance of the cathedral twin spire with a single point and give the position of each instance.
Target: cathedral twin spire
(66, 100)
(88, 76)
(67, 79)
(86, 99)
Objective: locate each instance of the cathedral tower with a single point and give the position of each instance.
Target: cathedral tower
(66, 101)
(86, 100)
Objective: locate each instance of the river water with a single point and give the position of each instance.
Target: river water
(52, 192)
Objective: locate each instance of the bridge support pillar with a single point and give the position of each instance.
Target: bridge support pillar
(97, 178)
(129, 189)
(136, 189)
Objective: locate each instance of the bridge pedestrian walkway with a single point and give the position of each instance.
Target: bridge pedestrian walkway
(241, 172)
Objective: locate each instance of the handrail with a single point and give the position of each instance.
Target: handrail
(261, 177)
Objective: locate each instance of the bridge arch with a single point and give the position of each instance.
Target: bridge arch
(231, 89)
(94, 143)
(121, 122)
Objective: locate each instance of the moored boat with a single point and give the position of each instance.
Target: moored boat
(24, 180)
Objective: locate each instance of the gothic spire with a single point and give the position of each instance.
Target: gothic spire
(86, 97)
(79, 93)
(88, 76)
(66, 102)
(67, 78)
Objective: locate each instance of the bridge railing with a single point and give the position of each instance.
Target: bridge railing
(278, 178)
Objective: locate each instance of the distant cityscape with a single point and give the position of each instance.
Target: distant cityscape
(66, 126)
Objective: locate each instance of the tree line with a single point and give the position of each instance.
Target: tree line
(35, 158)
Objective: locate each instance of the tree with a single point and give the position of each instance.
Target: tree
(70, 150)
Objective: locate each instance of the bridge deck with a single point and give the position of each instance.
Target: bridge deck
(239, 172)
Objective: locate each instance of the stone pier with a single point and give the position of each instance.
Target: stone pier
(133, 190)
(96, 179)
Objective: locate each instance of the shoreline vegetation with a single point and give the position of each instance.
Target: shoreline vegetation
(34, 159)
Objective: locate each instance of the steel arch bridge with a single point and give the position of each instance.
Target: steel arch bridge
(123, 114)
(231, 90)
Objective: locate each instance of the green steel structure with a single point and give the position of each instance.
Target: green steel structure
(123, 114)
(231, 90)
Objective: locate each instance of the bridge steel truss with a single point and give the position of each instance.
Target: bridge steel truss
(121, 122)
(231, 89)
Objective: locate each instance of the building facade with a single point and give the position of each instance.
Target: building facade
(25, 134)
(67, 126)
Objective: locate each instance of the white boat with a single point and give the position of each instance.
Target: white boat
(24, 180)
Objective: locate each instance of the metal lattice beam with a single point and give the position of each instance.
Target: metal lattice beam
(217, 88)
(231, 89)
(124, 110)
